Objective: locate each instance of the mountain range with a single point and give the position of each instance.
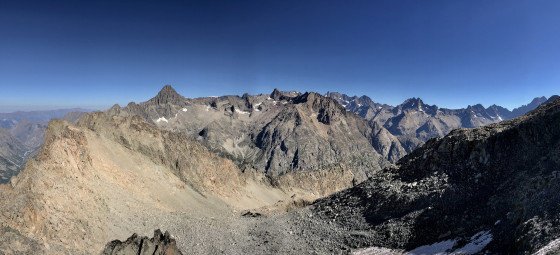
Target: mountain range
(415, 119)
(275, 134)
(283, 173)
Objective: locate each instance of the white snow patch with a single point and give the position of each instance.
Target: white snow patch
(257, 105)
(274, 102)
(436, 248)
(379, 107)
(257, 110)
(241, 112)
(184, 109)
(269, 98)
(161, 119)
(207, 107)
(475, 244)
(284, 102)
(359, 105)
(497, 222)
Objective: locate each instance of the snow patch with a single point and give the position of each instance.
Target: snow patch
(241, 112)
(207, 107)
(497, 222)
(435, 248)
(475, 244)
(161, 119)
(257, 105)
(184, 109)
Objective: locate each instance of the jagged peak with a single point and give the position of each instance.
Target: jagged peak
(167, 95)
(276, 95)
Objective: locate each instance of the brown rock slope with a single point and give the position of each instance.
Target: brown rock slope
(110, 176)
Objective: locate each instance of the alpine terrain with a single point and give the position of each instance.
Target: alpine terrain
(416, 120)
(284, 173)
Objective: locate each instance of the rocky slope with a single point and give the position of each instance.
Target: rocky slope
(414, 119)
(275, 134)
(127, 176)
(491, 189)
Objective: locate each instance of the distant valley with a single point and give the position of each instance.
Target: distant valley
(23, 133)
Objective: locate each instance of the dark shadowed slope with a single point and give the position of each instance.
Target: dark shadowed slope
(498, 185)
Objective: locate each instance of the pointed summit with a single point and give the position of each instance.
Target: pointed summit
(276, 95)
(167, 95)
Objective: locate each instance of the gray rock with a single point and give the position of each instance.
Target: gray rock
(160, 244)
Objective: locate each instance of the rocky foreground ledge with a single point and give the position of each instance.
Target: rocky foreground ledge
(160, 244)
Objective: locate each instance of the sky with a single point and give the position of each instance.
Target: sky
(93, 54)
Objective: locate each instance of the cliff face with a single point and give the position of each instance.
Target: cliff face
(499, 180)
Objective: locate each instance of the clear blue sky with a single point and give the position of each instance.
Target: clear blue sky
(449, 53)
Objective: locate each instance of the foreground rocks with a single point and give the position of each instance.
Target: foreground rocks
(160, 244)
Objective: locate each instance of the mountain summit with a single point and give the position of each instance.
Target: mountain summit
(167, 95)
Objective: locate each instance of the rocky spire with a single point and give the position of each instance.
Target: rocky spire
(276, 95)
(167, 95)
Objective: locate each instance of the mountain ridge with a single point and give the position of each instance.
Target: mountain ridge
(415, 119)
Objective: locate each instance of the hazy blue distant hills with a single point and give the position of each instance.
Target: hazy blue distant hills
(8, 120)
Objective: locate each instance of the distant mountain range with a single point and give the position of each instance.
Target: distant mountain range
(8, 120)
(415, 119)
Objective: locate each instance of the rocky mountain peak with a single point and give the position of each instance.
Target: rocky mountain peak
(528, 107)
(412, 103)
(167, 95)
(276, 94)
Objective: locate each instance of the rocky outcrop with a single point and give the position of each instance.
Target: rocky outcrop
(493, 187)
(160, 244)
